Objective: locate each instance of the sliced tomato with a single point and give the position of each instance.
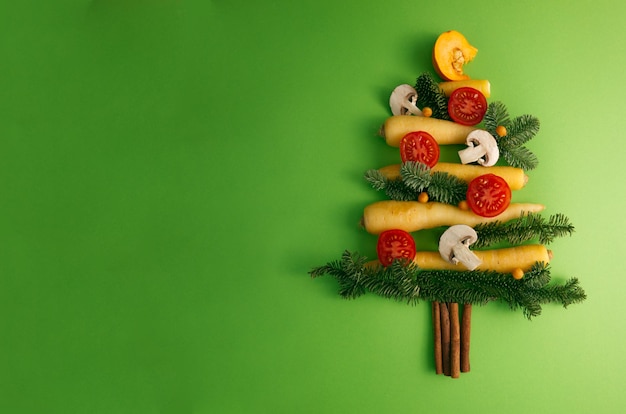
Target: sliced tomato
(395, 244)
(488, 195)
(467, 106)
(419, 146)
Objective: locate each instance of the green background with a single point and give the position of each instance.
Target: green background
(171, 170)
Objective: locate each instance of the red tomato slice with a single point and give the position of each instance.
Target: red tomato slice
(467, 106)
(395, 244)
(419, 146)
(488, 195)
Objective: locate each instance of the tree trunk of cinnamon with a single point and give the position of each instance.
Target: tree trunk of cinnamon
(455, 341)
(436, 315)
(466, 323)
(445, 338)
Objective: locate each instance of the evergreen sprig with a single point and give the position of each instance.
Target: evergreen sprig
(531, 226)
(446, 188)
(406, 282)
(429, 94)
(395, 189)
(416, 177)
(520, 130)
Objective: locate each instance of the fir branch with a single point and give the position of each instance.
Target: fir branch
(395, 189)
(415, 178)
(519, 131)
(496, 115)
(530, 226)
(429, 94)
(376, 179)
(406, 282)
(446, 188)
(415, 175)
(440, 186)
(398, 190)
(519, 157)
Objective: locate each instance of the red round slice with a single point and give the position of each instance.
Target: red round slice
(395, 244)
(488, 195)
(419, 146)
(467, 106)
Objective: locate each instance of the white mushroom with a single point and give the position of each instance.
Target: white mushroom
(481, 147)
(454, 246)
(403, 101)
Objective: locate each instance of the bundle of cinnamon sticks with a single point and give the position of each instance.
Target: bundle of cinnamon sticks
(452, 338)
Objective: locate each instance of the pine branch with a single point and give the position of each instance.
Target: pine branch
(415, 175)
(527, 227)
(519, 157)
(415, 178)
(446, 188)
(429, 94)
(394, 189)
(519, 131)
(406, 282)
(398, 190)
(496, 115)
(376, 179)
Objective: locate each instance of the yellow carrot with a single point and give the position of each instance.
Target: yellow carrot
(412, 216)
(444, 132)
(515, 177)
(482, 85)
(504, 260)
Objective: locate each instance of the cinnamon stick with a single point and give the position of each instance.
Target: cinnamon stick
(445, 338)
(466, 324)
(455, 341)
(437, 337)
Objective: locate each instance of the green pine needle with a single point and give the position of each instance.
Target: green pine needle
(415, 178)
(430, 95)
(520, 130)
(446, 188)
(528, 227)
(377, 180)
(519, 157)
(496, 115)
(415, 175)
(406, 282)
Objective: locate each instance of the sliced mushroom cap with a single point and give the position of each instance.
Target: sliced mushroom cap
(403, 101)
(454, 246)
(482, 147)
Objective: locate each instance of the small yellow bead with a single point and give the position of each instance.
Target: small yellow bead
(501, 130)
(463, 205)
(518, 273)
(423, 197)
(427, 112)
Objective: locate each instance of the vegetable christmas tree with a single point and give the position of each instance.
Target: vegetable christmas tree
(490, 249)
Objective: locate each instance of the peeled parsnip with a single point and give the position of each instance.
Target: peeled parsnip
(444, 132)
(412, 216)
(504, 260)
(515, 177)
(481, 84)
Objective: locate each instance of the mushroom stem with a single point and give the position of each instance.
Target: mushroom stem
(462, 254)
(472, 154)
(481, 147)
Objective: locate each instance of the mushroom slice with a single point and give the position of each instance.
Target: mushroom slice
(403, 101)
(454, 246)
(481, 147)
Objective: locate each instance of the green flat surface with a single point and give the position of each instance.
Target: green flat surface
(171, 170)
